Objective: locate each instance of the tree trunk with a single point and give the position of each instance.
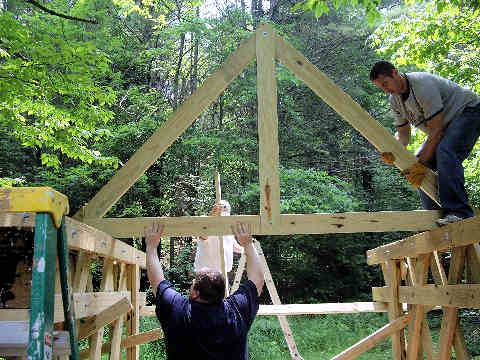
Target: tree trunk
(178, 71)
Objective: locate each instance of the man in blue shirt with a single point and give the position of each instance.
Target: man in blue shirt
(206, 326)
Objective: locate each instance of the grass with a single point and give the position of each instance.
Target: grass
(317, 337)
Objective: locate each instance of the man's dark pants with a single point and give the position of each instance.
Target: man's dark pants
(457, 143)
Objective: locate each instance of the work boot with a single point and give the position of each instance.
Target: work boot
(449, 219)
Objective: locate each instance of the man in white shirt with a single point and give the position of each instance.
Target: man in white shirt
(207, 255)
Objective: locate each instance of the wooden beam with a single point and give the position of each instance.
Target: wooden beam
(142, 338)
(350, 222)
(450, 318)
(269, 174)
(460, 296)
(130, 341)
(305, 309)
(178, 122)
(104, 318)
(392, 276)
(239, 273)
(84, 237)
(370, 341)
(419, 278)
(133, 322)
(350, 110)
(461, 233)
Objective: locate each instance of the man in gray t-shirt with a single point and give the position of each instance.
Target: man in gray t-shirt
(450, 116)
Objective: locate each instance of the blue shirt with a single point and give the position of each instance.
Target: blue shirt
(206, 331)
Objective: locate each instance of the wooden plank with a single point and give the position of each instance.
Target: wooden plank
(82, 270)
(350, 110)
(420, 273)
(178, 122)
(130, 341)
(326, 308)
(370, 341)
(269, 173)
(238, 275)
(84, 237)
(104, 318)
(460, 296)
(133, 323)
(305, 309)
(473, 255)
(350, 222)
(392, 276)
(287, 332)
(461, 233)
(142, 338)
(450, 318)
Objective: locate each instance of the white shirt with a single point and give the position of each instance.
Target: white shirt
(208, 253)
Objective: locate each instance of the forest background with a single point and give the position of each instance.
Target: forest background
(84, 85)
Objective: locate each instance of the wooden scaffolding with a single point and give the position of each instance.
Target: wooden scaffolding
(406, 297)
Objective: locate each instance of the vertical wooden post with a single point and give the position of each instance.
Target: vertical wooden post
(450, 318)
(115, 350)
(221, 248)
(267, 127)
(392, 276)
(133, 323)
(419, 277)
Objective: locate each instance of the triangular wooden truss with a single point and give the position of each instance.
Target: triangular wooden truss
(266, 47)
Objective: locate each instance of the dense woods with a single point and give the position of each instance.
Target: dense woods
(84, 85)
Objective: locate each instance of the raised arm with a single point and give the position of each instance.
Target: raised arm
(243, 236)
(153, 236)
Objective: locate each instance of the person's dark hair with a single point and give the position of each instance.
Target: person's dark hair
(210, 285)
(381, 67)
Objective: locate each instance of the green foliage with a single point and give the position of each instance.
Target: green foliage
(50, 94)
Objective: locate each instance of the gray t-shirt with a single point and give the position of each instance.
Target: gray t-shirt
(429, 95)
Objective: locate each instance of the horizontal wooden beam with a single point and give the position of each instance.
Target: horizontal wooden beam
(352, 222)
(83, 237)
(459, 296)
(86, 305)
(461, 233)
(305, 309)
(370, 341)
(104, 318)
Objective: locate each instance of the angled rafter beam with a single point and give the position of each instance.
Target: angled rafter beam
(382, 221)
(370, 341)
(461, 233)
(178, 122)
(350, 110)
(267, 127)
(104, 318)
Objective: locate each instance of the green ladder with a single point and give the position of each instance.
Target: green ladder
(50, 240)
